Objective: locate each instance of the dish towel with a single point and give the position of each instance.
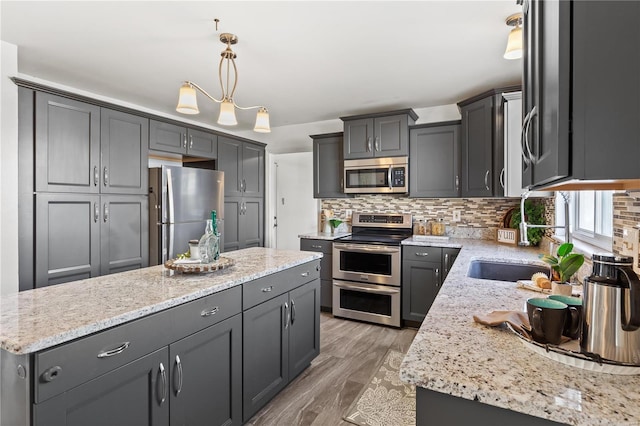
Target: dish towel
(518, 320)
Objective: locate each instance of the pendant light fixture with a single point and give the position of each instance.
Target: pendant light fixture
(514, 44)
(228, 76)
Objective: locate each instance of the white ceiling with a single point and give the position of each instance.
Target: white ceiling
(306, 61)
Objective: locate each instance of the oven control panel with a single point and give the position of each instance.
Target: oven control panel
(386, 220)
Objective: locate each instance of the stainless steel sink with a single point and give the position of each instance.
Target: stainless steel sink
(501, 271)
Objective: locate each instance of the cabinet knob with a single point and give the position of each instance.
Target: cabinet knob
(50, 374)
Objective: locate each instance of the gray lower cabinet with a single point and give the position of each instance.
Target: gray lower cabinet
(134, 394)
(243, 223)
(434, 160)
(168, 137)
(326, 269)
(423, 272)
(328, 166)
(280, 338)
(205, 383)
(79, 236)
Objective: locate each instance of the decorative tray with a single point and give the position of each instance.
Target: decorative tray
(569, 354)
(193, 267)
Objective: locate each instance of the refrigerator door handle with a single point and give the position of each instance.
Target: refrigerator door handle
(170, 237)
(170, 204)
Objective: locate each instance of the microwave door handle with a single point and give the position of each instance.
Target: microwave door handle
(389, 174)
(366, 289)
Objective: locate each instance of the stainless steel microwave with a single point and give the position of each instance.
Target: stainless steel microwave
(388, 175)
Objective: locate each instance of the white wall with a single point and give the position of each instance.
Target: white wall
(8, 170)
(291, 179)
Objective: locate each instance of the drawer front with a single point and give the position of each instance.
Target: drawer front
(421, 253)
(265, 288)
(201, 313)
(71, 364)
(323, 246)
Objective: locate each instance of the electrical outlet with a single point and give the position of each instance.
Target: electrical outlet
(456, 216)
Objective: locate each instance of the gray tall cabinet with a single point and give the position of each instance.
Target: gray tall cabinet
(243, 165)
(82, 190)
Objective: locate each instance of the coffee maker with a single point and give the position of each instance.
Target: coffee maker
(611, 310)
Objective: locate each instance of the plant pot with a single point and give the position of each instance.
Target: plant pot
(564, 289)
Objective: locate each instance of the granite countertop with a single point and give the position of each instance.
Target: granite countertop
(323, 235)
(38, 319)
(453, 355)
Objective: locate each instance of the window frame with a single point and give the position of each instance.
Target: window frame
(587, 236)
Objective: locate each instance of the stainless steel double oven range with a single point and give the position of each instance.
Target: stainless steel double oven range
(367, 268)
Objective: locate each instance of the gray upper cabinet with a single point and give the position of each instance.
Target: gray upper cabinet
(377, 135)
(85, 148)
(477, 148)
(124, 234)
(581, 97)
(328, 166)
(243, 166)
(434, 160)
(169, 137)
(124, 151)
(67, 140)
(67, 244)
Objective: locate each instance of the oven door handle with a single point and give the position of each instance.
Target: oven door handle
(362, 248)
(366, 289)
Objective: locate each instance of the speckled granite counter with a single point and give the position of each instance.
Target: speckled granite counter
(323, 235)
(37, 319)
(453, 355)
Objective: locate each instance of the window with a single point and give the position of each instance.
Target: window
(590, 217)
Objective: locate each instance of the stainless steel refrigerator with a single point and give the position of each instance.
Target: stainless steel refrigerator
(180, 202)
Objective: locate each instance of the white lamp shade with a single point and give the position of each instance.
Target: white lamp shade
(262, 121)
(514, 44)
(227, 115)
(187, 102)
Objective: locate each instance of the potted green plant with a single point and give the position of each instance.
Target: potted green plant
(334, 223)
(565, 264)
(534, 214)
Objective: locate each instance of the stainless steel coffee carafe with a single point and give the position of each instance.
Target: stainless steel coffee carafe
(611, 310)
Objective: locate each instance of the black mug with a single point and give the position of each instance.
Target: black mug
(547, 318)
(573, 320)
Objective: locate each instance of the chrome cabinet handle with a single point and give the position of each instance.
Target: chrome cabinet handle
(105, 176)
(532, 156)
(422, 254)
(267, 289)
(96, 212)
(50, 374)
(184, 139)
(105, 212)
(486, 180)
(318, 268)
(163, 377)
(389, 177)
(437, 277)
(316, 246)
(446, 263)
(526, 147)
(96, 176)
(502, 178)
(208, 313)
(190, 141)
(286, 315)
(377, 144)
(179, 376)
(293, 312)
(369, 142)
(114, 351)
(457, 182)
(342, 183)
(304, 274)
(523, 137)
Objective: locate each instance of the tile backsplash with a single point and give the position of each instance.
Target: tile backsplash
(480, 218)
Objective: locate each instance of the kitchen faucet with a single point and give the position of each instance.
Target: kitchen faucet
(524, 241)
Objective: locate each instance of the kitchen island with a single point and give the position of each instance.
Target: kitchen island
(151, 338)
(465, 373)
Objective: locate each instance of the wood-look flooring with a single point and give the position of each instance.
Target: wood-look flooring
(350, 351)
